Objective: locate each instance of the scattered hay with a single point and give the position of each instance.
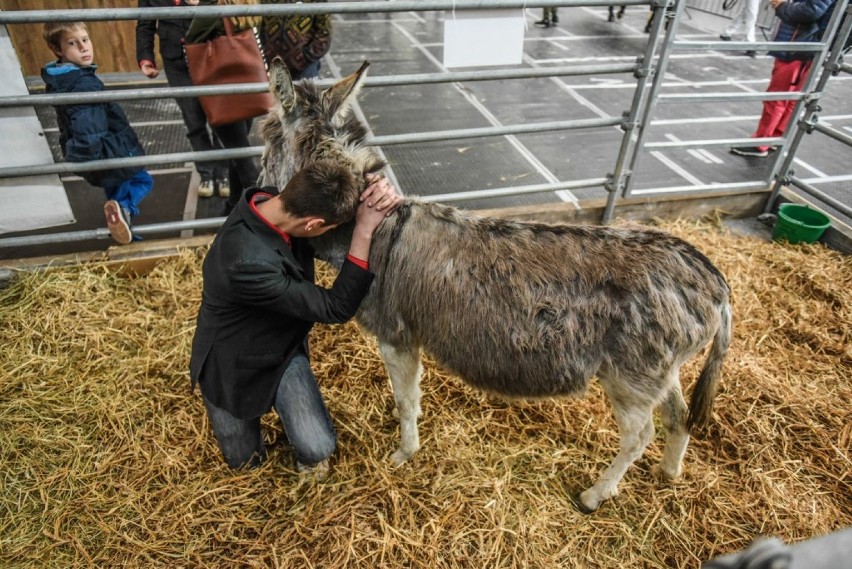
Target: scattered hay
(108, 459)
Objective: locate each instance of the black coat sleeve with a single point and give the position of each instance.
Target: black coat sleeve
(145, 32)
(262, 284)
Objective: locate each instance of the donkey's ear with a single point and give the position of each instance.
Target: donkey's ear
(281, 85)
(337, 99)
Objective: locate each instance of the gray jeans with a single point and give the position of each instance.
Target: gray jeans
(302, 411)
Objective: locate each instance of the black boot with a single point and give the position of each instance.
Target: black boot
(543, 23)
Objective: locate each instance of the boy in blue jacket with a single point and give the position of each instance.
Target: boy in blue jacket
(94, 131)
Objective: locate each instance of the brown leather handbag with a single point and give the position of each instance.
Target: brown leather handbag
(224, 60)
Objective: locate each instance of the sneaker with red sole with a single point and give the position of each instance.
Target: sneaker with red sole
(118, 222)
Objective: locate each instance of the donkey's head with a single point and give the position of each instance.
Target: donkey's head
(310, 124)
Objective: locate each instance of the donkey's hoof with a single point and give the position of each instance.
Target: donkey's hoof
(589, 500)
(664, 473)
(581, 507)
(400, 457)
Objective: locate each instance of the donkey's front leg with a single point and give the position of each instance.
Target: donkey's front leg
(404, 368)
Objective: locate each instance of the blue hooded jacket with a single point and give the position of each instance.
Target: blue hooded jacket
(801, 21)
(94, 131)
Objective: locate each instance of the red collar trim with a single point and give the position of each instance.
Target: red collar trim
(253, 205)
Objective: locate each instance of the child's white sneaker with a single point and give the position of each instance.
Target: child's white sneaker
(118, 222)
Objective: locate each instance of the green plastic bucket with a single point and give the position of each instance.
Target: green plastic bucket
(799, 224)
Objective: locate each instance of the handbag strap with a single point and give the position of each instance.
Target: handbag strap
(229, 26)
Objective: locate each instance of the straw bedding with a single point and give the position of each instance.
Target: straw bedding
(108, 460)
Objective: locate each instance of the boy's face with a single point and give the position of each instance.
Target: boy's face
(75, 47)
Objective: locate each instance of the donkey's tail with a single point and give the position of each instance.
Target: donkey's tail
(705, 389)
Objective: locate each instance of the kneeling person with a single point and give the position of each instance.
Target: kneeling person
(250, 351)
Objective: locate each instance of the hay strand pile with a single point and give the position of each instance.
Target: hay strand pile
(108, 460)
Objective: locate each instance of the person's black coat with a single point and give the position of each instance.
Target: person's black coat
(258, 305)
(170, 32)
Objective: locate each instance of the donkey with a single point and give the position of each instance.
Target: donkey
(520, 309)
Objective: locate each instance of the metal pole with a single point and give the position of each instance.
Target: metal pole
(214, 223)
(822, 196)
(627, 148)
(188, 12)
(659, 73)
(53, 99)
(252, 151)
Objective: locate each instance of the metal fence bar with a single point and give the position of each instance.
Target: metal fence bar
(719, 142)
(654, 90)
(712, 188)
(628, 148)
(834, 133)
(103, 233)
(516, 190)
(743, 45)
(185, 12)
(252, 151)
(215, 222)
(494, 131)
(236, 88)
(728, 97)
(135, 161)
(820, 195)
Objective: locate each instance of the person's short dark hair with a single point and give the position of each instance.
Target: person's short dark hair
(52, 32)
(324, 189)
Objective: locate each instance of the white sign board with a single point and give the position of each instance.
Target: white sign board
(31, 202)
(476, 38)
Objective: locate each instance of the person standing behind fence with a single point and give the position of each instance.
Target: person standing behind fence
(744, 18)
(242, 172)
(94, 131)
(801, 21)
(214, 174)
(549, 18)
(300, 40)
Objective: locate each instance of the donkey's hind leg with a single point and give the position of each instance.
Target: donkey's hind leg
(404, 368)
(673, 413)
(636, 429)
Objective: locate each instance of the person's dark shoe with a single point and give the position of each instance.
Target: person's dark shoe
(751, 53)
(543, 23)
(750, 151)
(554, 20)
(611, 17)
(118, 222)
(621, 12)
(723, 37)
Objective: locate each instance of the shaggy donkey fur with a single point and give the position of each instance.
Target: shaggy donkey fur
(518, 308)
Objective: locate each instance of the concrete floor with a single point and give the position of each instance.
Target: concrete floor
(412, 43)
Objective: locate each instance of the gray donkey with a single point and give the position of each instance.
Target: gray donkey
(520, 309)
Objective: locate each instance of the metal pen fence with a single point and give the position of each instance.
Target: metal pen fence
(648, 71)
